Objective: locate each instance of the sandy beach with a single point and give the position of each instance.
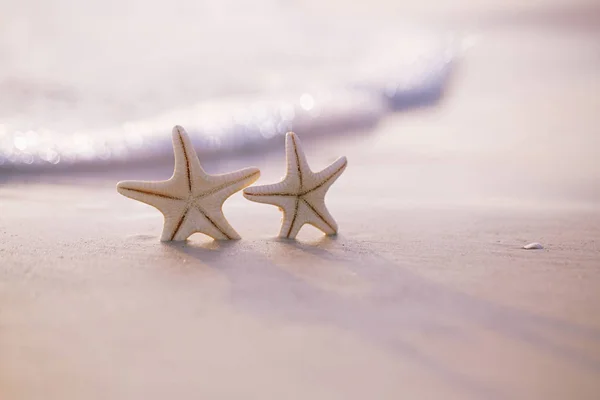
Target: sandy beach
(426, 293)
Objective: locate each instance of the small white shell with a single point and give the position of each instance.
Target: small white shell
(533, 246)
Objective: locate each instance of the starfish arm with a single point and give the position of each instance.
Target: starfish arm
(268, 193)
(318, 215)
(174, 224)
(198, 220)
(297, 166)
(322, 180)
(290, 224)
(217, 219)
(224, 185)
(188, 171)
(157, 194)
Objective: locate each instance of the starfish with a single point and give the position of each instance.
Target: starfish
(191, 200)
(301, 193)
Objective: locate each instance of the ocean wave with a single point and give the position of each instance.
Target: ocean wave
(338, 87)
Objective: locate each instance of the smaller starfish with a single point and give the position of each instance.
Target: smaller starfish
(301, 193)
(191, 201)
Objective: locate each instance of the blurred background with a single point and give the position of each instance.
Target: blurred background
(101, 82)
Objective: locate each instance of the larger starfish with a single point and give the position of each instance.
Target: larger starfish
(301, 193)
(191, 200)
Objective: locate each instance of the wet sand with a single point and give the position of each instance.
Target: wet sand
(425, 293)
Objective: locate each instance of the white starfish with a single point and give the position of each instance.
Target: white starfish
(301, 193)
(191, 200)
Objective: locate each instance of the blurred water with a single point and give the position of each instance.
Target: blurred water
(104, 81)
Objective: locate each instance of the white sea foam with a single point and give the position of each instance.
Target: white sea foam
(99, 81)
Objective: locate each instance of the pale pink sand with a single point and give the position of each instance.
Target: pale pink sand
(425, 294)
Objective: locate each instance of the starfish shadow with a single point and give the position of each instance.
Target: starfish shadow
(398, 299)
(317, 247)
(207, 250)
(261, 287)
